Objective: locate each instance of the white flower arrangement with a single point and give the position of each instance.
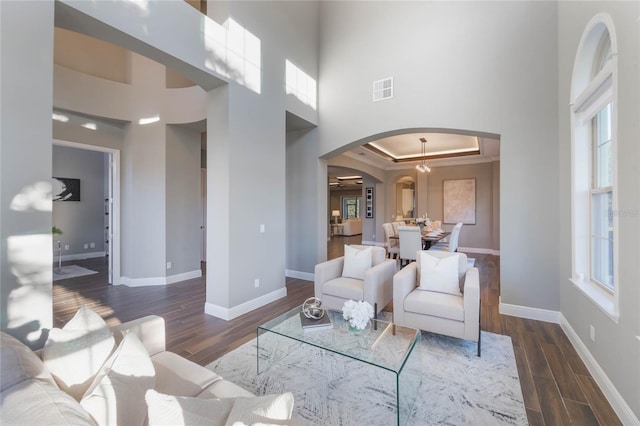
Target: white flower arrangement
(423, 220)
(357, 313)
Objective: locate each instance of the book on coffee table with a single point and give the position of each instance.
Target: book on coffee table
(315, 324)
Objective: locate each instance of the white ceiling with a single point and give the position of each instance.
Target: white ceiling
(405, 150)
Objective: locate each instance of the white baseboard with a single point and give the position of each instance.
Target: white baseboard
(618, 403)
(479, 250)
(530, 313)
(308, 276)
(243, 308)
(144, 282)
(373, 243)
(184, 276)
(79, 256)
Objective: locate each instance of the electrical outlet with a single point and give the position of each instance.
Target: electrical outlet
(257, 283)
(92, 245)
(86, 246)
(66, 246)
(592, 333)
(169, 265)
(262, 227)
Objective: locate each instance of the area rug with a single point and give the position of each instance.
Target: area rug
(457, 388)
(71, 271)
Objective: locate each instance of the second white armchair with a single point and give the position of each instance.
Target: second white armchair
(439, 293)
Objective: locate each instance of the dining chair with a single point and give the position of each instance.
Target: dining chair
(452, 245)
(410, 239)
(392, 243)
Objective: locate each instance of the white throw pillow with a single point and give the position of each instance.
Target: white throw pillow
(356, 261)
(19, 363)
(75, 353)
(263, 410)
(182, 410)
(172, 410)
(117, 395)
(439, 274)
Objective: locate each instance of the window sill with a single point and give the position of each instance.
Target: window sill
(599, 297)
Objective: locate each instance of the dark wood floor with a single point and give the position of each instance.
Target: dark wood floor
(557, 387)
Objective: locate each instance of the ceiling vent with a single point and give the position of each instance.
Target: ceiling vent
(383, 89)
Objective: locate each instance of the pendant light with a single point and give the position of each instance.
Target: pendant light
(423, 163)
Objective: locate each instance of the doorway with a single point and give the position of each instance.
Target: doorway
(111, 205)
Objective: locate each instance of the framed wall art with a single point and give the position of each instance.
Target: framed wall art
(459, 202)
(66, 189)
(368, 202)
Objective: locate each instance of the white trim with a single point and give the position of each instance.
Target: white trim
(144, 282)
(197, 273)
(479, 250)
(243, 308)
(598, 296)
(374, 243)
(530, 313)
(588, 95)
(308, 276)
(79, 256)
(610, 392)
(114, 243)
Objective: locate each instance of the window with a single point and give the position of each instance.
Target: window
(601, 200)
(593, 165)
(351, 207)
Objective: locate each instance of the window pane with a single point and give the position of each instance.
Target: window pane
(351, 207)
(602, 148)
(602, 238)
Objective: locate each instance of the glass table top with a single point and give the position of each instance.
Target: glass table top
(383, 344)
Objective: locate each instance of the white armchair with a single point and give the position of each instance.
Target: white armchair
(443, 311)
(375, 286)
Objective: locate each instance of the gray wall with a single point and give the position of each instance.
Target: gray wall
(479, 235)
(82, 222)
(303, 217)
(616, 347)
(184, 206)
(511, 91)
(25, 161)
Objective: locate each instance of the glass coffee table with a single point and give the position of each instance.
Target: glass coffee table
(382, 345)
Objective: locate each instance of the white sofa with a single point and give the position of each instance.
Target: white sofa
(352, 226)
(31, 393)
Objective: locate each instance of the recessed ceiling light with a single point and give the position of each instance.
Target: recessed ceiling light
(60, 117)
(149, 120)
(348, 177)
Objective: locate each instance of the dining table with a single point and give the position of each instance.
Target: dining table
(428, 238)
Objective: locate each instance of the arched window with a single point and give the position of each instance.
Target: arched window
(593, 157)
